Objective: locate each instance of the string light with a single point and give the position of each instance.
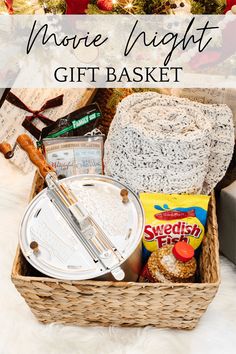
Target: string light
(128, 6)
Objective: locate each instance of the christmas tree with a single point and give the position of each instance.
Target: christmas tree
(157, 6)
(116, 6)
(53, 6)
(27, 7)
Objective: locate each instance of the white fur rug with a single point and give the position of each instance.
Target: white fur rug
(20, 333)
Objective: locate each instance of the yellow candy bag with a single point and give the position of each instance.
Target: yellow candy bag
(172, 218)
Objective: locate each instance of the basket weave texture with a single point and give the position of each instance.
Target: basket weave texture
(90, 303)
(103, 303)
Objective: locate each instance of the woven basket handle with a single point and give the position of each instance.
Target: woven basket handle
(36, 157)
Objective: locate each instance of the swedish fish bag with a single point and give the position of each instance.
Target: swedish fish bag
(172, 218)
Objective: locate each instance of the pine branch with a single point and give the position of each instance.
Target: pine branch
(53, 6)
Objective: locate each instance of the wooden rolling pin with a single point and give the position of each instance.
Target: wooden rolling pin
(36, 157)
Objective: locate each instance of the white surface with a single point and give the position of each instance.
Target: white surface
(21, 333)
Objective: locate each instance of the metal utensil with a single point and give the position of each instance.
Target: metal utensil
(91, 234)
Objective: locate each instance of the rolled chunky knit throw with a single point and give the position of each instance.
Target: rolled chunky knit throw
(161, 143)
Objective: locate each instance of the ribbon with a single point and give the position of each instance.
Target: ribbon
(9, 6)
(28, 121)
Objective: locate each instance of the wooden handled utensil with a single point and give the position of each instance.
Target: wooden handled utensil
(35, 156)
(6, 149)
(85, 228)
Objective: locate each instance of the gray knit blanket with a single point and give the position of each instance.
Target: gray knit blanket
(161, 143)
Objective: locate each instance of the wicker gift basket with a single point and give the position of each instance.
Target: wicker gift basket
(104, 303)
